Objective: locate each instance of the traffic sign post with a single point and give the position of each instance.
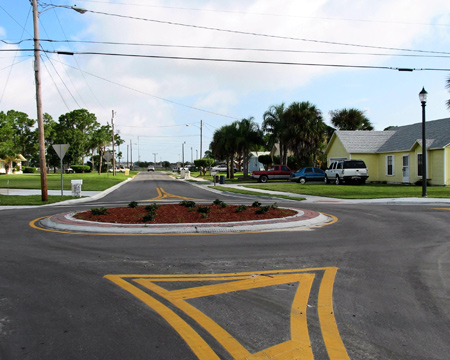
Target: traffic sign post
(61, 150)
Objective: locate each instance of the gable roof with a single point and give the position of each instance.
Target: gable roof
(437, 135)
(401, 138)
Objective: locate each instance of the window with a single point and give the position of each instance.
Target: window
(419, 165)
(389, 165)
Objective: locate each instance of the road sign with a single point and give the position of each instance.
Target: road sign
(60, 149)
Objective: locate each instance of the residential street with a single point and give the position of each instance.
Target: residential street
(375, 284)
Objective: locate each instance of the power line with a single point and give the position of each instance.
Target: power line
(444, 54)
(264, 14)
(254, 34)
(254, 61)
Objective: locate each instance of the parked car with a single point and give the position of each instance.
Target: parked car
(308, 174)
(278, 172)
(222, 168)
(175, 169)
(151, 168)
(118, 169)
(346, 171)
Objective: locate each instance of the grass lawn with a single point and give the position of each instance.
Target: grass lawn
(12, 200)
(367, 191)
(91, 181)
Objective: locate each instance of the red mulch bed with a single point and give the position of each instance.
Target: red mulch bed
(175, 214)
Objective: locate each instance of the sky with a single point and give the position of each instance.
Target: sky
(159, 65)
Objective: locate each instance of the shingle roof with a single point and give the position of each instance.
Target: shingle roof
(437, 131)
(400, 138)
(363, 141)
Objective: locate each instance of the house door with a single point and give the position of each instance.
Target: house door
(405, 169)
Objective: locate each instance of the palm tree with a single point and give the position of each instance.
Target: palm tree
(350, 119)
(274, 124)
(448, 87)
(249, 137)
(224, 146)
(306, 131)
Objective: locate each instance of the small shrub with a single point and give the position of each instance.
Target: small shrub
(203, 209)
(149, 217)
(99, 211)
(241, 208)
(262, 209)
(81, 168)
(133, 204)
(188, 203)
(152, 207)
(220, 203)
(274, 206)
(28, 170)
(256, 204)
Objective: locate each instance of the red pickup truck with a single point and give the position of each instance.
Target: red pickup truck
(278, 172)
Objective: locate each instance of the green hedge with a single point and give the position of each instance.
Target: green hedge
(81, 168)
(29, 170)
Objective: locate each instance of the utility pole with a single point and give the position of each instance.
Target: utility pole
(40, 117)
(201, 138)
(154, 154)
(114, 157)
(131, 154)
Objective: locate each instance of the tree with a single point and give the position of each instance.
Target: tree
(249, 136)
(305, 131)
(448, 87)
(350, 119)
(99, 139)
(203, 164)
(23, 135)
(6, 136)
(224, 146)
(76, 128)
(274, 123)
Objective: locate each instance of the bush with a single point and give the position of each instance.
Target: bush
(262, 209)
(81, 168)
(133, 204)
(149, 217)
(241, 208)
(256, 204)
(152, 208)
(187, 203)
(28, 170)
(99, 211)
(203, 209)
(220, 202)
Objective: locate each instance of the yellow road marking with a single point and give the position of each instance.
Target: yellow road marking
(298, 346)
(441, 208)
(162, 195)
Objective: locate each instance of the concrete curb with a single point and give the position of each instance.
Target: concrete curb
(304, 219)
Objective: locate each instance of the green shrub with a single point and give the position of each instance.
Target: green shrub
(274, 206)
(152, 207)
(203, 209)
(81, 168)
(241, 208)
(256, 204)
(262, 209)
(188, 203)
(220, 203)
(28, 170)
(149, 217)
(99, 211)
(133, 204)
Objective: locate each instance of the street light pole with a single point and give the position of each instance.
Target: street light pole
(182, 152)
(423, 96)
(37, 77)
(40, 119)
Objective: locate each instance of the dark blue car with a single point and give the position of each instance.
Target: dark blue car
(308, 174)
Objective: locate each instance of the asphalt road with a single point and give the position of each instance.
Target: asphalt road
(373, 285)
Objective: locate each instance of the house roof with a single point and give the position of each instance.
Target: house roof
(401, 138)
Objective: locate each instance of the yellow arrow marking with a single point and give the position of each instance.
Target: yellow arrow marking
(298, 346)
(162, 195)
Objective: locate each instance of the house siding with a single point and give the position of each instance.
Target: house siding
(436, 170)
(337, 151)
(447, 165)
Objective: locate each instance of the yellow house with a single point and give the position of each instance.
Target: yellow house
(4, 168)
(395, 156)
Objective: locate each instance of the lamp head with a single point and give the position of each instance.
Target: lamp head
(423, 95)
